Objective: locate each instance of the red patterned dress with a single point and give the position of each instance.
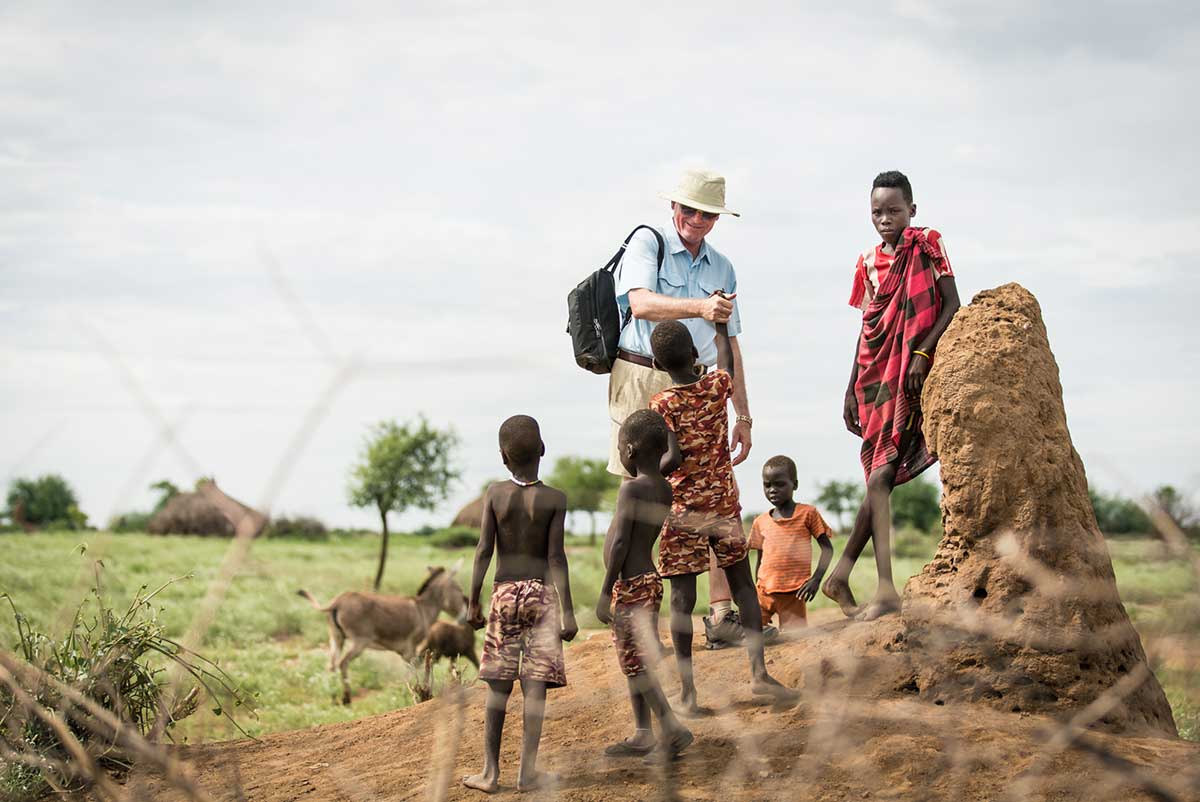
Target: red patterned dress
(899, 300)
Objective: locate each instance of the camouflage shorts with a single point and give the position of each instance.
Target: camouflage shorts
(688, 534)
(523, 638)
(635, 604)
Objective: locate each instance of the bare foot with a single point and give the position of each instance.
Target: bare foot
(839, 590)
(540, 779)
(881, 605)
(481, 782)
(769, 686)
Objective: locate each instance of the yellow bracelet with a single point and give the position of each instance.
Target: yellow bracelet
(922, 353)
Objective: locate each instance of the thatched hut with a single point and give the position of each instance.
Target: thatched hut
(470, 515)
(208, 511)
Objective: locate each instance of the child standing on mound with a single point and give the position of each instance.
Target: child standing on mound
(705, 512)
(906, 291)
(523, 522)
(783, 538)
(632, 587)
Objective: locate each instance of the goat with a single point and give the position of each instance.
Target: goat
(359, 621)
(449, 639)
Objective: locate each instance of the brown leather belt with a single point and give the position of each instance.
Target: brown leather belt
(636, 359)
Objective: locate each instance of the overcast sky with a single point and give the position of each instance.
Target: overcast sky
(205, 208)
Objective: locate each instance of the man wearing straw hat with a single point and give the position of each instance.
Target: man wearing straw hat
(697, 286)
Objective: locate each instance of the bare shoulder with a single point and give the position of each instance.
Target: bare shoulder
(498, 490)
(551, 496)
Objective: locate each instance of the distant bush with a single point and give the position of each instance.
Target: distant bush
(455, 537)
(47, 502)
(300, 527)
(424, 531)
(130, 522)
(1117, 515)
(916, 504)
(913, 543)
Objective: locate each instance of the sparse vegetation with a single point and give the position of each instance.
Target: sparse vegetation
(588, 485)
(115, 660)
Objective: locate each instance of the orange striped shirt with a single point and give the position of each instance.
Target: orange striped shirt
(786, 544)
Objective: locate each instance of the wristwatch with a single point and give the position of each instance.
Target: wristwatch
(746, 419)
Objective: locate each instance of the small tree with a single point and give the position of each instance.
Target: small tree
(840, 498)
(588, 485)
(402, 467)
(167, 491)
(1173, 503)
(47, 500)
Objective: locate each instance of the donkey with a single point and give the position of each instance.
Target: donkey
(449, 639)
(359, 621)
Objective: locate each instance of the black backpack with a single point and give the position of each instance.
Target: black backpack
(593, 318)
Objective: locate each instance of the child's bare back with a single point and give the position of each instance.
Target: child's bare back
(523, 516)
(646, 499)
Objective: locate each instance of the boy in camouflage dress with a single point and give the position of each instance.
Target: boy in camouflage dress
(706, 512)
(523, 523)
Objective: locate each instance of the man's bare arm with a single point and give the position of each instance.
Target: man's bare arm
(649, 305)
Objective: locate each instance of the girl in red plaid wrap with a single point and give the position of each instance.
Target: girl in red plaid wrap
(905, 288)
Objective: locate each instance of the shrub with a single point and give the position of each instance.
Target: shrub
(913, 543)
(300, 527)
(455, 537)
(129, 522)
(47, 501)
(1117, 515)
(113, 661)
(915, 504)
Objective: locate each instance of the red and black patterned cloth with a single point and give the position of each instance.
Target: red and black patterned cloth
(895, 322)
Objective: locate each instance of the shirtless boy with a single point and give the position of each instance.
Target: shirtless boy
(523, 523)
(633, 590)
(705, 512)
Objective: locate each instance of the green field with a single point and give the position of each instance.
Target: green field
(274, 643)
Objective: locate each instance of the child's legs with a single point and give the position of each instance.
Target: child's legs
(648, 689)
(641, 706)
(793, 612)
(879, 492)
(741, 583)
(534, 693)
(493, 728)
(859, 535)
(718, 584)
(683, 602)
(767, 604)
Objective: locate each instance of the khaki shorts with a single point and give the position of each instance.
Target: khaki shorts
(630, 388)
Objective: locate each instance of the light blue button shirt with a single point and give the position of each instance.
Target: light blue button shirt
(681, 277)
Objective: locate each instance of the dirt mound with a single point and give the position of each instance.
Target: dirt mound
(853, 736)
(1019, 607)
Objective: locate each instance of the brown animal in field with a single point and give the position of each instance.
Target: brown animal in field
(449, 639)
(359, 621)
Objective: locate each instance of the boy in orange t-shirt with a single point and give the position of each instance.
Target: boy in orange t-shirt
(783, 537)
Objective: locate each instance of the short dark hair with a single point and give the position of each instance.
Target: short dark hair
(645, 429)
(780, 461)
(894, 179)
(672, 346)
(521, 439)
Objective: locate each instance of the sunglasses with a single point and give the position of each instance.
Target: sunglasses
(688, 211)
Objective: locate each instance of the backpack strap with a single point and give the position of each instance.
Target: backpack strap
(611, 267)
(613, 263)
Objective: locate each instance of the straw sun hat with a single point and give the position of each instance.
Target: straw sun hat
(701, 190)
